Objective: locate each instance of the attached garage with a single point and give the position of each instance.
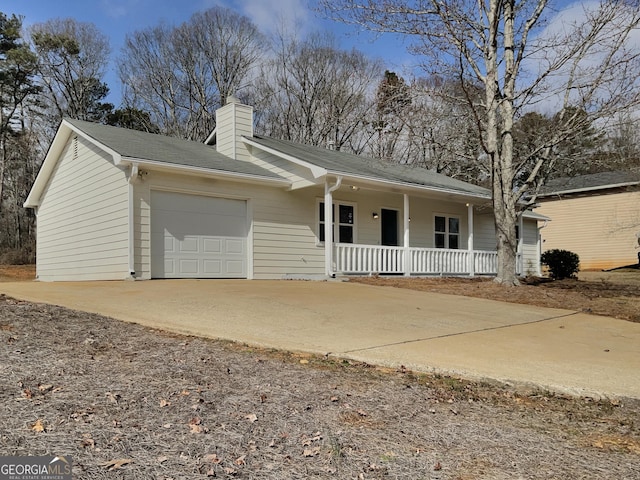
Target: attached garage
(196, 236)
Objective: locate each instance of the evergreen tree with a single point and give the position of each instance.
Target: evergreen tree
(17, 147)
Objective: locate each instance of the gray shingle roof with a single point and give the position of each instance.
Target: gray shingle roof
(593, 181)
(355, 165)
(163, 149)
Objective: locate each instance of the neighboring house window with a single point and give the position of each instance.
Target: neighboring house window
(345, 229)
(447, 232)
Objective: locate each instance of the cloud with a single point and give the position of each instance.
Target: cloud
(117, 8)
(271, 16)
(274, 15)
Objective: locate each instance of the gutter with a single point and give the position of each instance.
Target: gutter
(416, 186)
(206, 171)
(319, 172)
(534, 215)
(588, 189)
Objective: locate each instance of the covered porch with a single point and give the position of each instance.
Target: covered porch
(449, 235)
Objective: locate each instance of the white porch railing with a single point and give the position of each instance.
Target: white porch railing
(432, 261)
(353, 258)
(485, 263)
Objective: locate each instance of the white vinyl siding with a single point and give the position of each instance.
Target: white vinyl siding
(233, 121)
(281, 237)
(82, 225)
(484, 232)
(530, 260)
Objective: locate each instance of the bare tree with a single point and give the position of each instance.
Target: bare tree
(149, 70)
(181, 75)
(440, 130)
(72, 58)
(587, 64)
(314, 93)
(622, 144)
(230, 47)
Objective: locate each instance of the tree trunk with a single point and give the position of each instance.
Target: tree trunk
(505, 224)
(503, 185)
(499, 142)
(3, 157)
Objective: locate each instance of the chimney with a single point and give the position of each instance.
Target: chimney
(233, 121)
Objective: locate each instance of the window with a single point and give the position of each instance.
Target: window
(346, 222)
(447, 232)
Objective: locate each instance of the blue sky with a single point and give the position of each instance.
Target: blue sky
(116, 18)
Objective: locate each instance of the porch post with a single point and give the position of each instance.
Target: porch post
(405, 242)
(328, 225)
(471, 259)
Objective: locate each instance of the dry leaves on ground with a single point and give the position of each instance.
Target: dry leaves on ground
(125, 404)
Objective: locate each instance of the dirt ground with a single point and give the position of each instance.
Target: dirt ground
(614, 294)
(129, 402)
(17, 273)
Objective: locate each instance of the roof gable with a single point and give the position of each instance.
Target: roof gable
(133, 146)
(139, 145)
(340, 163)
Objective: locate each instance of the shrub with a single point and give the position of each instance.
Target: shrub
(561, 263)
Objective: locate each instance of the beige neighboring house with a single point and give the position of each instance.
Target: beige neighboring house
(114, 203)
(596, 216)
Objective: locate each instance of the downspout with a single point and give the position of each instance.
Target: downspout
(36, 210)
(328, 225)
(133, 178)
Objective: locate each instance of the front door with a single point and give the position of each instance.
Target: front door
(389, 225)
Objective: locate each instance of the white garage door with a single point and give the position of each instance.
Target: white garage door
(193, 236)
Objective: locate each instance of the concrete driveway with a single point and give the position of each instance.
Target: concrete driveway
(557, 349)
